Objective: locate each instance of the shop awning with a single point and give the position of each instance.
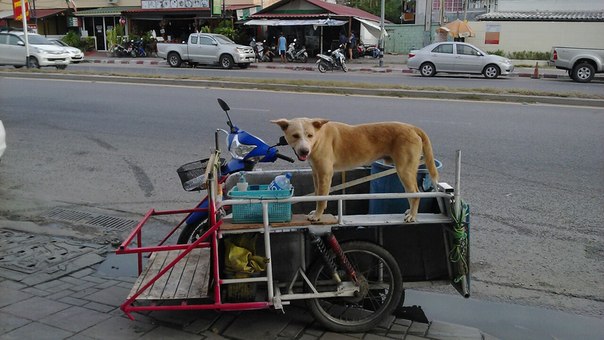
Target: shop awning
(105, 11)
(6, 14)
(295, 22)
(38, 13)
(372, 26)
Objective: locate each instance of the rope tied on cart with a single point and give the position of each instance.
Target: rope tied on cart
(458, 253)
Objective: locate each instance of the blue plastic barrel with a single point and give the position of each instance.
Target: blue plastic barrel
(392, 184)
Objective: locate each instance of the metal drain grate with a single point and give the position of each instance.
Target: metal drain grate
(92, 219)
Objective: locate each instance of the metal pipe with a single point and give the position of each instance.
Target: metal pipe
(267, 251)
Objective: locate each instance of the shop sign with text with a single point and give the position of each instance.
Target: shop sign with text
(159, 4)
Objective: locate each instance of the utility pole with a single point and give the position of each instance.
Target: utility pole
(381, 42)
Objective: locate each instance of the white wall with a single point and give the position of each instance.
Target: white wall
(518, 36)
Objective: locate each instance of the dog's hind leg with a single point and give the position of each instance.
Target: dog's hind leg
(407, 173)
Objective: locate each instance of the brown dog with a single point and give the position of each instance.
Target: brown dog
(333, 146)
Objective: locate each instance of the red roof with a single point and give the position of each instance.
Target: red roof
(331, 10)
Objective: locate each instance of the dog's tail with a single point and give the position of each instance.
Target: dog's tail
(428, 156)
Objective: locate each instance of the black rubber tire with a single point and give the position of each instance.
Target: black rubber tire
(243, 66)
(389, 298)
(323, 67)
(288, 57)
(583, 72)
(174, 59)
(491, 71)
(33, 62)
(303, 59)
(427, 70)
(226, 61)
(61, 67)
(191, 231)
(344, 66)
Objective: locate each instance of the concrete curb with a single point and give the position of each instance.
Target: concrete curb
(361, 67)
(321, 89)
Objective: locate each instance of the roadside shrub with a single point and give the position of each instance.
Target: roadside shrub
(529, 55)
(225, 28)
(500, 53)
(72, 39)
(87, 44)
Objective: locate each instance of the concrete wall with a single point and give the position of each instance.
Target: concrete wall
(514, 36)
(539, 36)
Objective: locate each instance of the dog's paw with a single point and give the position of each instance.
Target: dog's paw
(313, 217)
(409, 218)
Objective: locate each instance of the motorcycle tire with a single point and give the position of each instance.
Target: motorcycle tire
(323, 67)
(380, 293)
(191, 232)
(289, 58)
(344, 67)
(303, 59)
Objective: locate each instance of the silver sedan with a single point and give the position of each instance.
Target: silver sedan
(457, 57)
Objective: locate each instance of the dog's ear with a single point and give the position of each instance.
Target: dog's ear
(317, 123)
(283, 123)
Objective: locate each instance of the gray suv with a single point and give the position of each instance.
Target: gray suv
(42, 52)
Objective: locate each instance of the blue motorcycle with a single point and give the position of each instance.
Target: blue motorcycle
(246, 151)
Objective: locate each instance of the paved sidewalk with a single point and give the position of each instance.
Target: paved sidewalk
(391, 64)
(54, 287)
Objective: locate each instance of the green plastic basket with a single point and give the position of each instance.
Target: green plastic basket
(252, 212)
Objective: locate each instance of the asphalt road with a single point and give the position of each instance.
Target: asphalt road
(564, 86)
(532, 173)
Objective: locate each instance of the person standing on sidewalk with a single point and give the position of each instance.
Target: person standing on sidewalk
(282, 46)
(352, 42)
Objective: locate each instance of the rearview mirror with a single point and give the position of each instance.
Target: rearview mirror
(223, 105)
(282, 141)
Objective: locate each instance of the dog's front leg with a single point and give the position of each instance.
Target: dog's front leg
(322, 179)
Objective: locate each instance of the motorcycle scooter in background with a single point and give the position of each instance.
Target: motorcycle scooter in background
(246, 151)
(293, 54)
(335, 60)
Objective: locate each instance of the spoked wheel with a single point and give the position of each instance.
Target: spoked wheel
(380, 289)
(191, 232)
(322, 66)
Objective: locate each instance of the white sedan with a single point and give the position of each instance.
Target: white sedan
(457, 57)
(75, 54)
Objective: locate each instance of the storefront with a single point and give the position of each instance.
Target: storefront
(314, 23)
(96, 22)
(42, 21)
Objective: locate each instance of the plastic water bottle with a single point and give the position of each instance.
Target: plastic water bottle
(281, 182)
(242, 184)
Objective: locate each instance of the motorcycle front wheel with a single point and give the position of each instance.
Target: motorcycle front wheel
(322, 66)
(192, 232)
(303, 58)
(344, 67)
(380, 286)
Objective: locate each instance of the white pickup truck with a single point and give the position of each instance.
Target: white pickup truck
(209, 49)
(581, 63)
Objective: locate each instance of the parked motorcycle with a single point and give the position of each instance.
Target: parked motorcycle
(335, 60)
(246, 151)
(138, 50)
(267, 52)
(293, 54)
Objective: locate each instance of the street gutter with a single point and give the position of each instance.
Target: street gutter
(554, 99)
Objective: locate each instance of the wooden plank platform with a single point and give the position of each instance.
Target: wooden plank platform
(298, 220)
(188, 279)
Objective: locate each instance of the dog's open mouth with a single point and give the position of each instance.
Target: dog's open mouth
(301, 158)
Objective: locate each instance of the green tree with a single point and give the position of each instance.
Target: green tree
(392, 8)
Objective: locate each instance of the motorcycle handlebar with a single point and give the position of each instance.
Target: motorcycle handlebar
(278, 155)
